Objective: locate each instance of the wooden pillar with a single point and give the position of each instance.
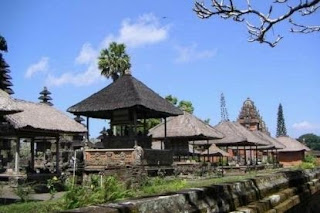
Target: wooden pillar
(144, 126)
(227, 156)
(208, 151)
(193, 149)
(32, 153)
(245, 155)
(267, 156)
(165, 136)
(256, 154)
(88, 135)
(135, 127)
(238, 155)
(57, 154)
(17, 156)
(250, 155)
(277, 157)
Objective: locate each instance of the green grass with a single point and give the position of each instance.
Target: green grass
(32, 207)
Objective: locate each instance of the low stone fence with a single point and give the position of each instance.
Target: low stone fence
(276, 192)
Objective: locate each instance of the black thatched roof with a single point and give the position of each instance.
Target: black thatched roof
(125, 93)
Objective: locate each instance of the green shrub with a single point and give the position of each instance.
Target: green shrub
(310, 159)
(306, 165)
(23, 192)
(111, 190)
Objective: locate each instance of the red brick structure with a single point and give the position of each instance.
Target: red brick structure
(293, 153)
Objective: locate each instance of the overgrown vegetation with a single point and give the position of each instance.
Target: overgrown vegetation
(309, 162)
(109, 188)
(92, 193)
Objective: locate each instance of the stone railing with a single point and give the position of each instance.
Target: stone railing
(277, 192)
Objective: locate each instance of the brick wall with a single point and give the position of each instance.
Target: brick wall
(291, 158)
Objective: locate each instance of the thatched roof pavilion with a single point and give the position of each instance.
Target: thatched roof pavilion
(181, 130)
(39, 117)
(36, 121)
(237, 135)
(294, 152)
(215, 151)
(274, 143)
(291, 145)
(186, 126)
(124, 102)
(125, 93)
(7, 105)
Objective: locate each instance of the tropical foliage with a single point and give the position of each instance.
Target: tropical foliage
(311, 140)
(114, 61)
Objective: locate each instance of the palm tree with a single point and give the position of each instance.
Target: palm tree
(114, 61)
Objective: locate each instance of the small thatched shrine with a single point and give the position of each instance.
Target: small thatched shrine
(293, 153)
(37, 129)
(239, 136)
(181, 130)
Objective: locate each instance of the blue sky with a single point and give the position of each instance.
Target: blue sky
(55, 44)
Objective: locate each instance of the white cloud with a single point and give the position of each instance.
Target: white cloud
(86, 55)
(145, 30)
(305, 125)
(191, 53)
(91, 75)
(40, 66)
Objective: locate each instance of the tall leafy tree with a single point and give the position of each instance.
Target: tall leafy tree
(172, 99)
(5, 78)
(186, 106)
(114, 61)
(281, 126)
(311, 140)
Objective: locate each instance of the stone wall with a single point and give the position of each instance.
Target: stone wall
(277, 192)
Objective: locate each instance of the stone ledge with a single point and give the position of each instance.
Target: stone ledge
(226, 197)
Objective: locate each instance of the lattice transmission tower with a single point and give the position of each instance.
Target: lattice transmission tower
(224, 112)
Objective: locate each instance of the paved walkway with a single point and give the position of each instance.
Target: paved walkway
(7, 192)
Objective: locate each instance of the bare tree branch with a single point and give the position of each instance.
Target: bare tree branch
(258, 33)
(302, 28)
